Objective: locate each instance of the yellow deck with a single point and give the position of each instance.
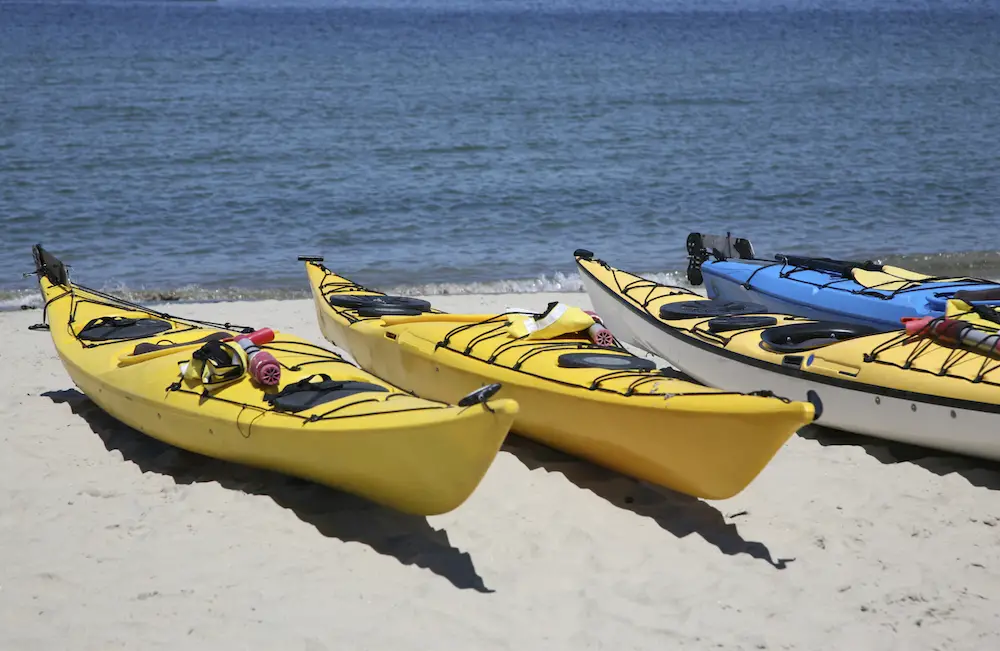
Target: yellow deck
(892, 360)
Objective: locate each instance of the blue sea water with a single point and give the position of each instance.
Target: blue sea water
(194, 149)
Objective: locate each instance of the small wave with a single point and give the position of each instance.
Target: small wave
(978, 264)
(557, 282)
(19, 300)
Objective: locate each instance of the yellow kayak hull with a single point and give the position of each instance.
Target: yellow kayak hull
(669, 432)
(411, 454)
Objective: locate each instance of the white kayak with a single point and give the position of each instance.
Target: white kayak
(887, 384)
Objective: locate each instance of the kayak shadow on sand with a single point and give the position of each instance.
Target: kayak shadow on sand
(675, 512)
(978, 472)
(408, 538)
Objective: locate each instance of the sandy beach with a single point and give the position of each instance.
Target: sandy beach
(110, 540)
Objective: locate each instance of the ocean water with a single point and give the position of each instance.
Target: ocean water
(191, 150)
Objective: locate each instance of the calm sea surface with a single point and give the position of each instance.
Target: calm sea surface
(193, 149)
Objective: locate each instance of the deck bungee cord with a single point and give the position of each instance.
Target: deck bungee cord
(271, 400)
(925, 345)
(922, 331)
(56, 272)
(109, 300)
(639, 283)
(881, 290)
(166, 337)
(305, 385)
(657, 291)
(647, 375)
(592, 399)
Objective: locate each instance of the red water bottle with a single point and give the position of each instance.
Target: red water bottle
(262, 365)
(598, 333)
(953, 331)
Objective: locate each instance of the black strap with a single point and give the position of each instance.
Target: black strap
(548, 308)
(306, 394)
(987, 313)
(842, 268)
(214, 351)
(306, 384)
(980, 295)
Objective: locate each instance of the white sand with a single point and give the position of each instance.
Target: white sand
(109, 539)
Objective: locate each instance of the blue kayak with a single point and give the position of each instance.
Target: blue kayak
(826, 289)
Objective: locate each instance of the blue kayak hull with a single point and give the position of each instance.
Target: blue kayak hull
(826, 296)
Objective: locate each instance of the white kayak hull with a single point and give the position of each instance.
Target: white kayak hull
(865, 411)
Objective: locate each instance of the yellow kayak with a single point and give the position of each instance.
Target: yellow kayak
(326, 420)
(894, 384)
(602, 404)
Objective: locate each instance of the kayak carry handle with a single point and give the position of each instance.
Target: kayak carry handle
(817, 404)
(310, 258)
(480, 395)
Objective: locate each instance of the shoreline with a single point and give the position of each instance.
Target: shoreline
(293, 287)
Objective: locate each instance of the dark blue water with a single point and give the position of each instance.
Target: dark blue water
(194, 149)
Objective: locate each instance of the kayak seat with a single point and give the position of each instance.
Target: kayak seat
(379, 301)
(610, 361)
(118, 328)
(388, 310)
(798, 337)
(708, 308)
